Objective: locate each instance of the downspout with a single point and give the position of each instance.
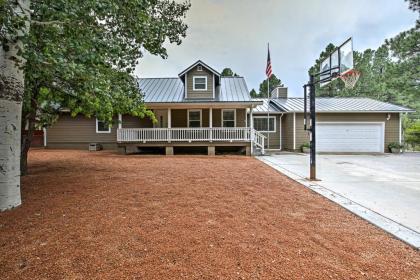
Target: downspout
(45, 136)
(294, 131)
(281, 133)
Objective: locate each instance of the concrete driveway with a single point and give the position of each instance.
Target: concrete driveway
(388, 184)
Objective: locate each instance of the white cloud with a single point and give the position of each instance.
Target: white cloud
(235, 34)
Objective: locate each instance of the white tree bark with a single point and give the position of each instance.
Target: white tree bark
(11, 95)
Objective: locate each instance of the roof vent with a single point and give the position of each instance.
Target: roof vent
(279, 92)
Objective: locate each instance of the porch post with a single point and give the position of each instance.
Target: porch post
(169, 124)
(119, 121)
(251, 125)
(211, 124)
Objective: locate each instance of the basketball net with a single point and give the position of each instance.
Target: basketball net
(350, 78)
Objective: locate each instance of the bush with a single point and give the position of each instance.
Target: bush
(412, 134)
(395, 145)
(305, 145)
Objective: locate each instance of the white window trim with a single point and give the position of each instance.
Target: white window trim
(234, 116)
(265, 117)
(97, 131)
(195, 110)
(195, 77)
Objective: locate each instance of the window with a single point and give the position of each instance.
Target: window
(102, 127)
(200, 83)
(265, 125)
(194, 118)
(228, 117)
(199, 68)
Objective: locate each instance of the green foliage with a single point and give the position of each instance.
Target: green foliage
(412, 134)
(395, 145)
(254, 94)
(274, 82)
(305, 145)
(81, 54)
(227, 72)
(414, 5)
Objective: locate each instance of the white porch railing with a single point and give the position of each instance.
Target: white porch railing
(207, 134)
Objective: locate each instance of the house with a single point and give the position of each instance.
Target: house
(344, 125)
(201, 109)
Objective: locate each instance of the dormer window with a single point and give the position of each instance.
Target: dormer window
(200, 83)
(199, 68)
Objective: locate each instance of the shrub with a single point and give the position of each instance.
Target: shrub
(395, 145)
(305, 145)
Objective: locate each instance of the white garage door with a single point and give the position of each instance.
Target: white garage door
(350, 137)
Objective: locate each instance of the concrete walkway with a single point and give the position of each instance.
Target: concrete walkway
(385, 185)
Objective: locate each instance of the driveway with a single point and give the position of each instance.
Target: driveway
(388, 184)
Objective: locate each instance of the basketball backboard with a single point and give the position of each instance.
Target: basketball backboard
(337, 63)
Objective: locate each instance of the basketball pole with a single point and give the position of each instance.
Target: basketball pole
(312, 171)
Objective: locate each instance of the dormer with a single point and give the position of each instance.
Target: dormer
(200, 81)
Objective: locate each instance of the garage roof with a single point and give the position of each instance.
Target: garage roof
(265, 107)
(336, 104)
(171, 90)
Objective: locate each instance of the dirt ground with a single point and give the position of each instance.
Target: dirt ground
(105, 216)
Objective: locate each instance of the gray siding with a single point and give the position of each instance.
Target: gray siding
(191, 93)
(287, 131)
(78, 132)
(135, 122)
(273, 138)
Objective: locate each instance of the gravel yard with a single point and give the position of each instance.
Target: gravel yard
(106, 216)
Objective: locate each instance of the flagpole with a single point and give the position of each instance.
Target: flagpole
(268, 105)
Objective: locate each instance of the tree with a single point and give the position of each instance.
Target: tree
(79, 55)
(274, 82)
(328, 89)
(253, 93)
(403, 80)
(414, 5)
(15, 23)
(227, 72)
(412, 134)
(92, 75)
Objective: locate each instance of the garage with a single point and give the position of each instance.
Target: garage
(350, 137)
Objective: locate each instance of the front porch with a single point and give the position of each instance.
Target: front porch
(211, 137)
(209, 127)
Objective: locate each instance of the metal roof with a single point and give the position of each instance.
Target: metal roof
(171, 90)
(339, 104)
(266, 107)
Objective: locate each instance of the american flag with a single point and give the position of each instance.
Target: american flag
(268, 70)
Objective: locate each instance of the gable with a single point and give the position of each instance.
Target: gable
(199, 83)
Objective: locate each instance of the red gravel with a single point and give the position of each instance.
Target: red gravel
(105, 216)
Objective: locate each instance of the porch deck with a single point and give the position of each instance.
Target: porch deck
(202, 135)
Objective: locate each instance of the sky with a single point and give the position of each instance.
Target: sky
(235, 33)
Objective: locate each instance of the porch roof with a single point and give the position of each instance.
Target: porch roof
(171, 90)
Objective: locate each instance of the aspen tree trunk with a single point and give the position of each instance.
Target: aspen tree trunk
(11, 95)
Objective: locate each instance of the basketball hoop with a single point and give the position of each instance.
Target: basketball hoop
(350, 78)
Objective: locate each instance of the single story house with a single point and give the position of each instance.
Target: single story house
(202, 109)
(343, 125)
